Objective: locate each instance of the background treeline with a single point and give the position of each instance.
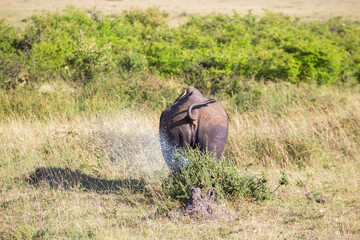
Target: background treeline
(112, 57)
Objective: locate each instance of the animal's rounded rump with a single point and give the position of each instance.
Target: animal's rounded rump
(195, 121)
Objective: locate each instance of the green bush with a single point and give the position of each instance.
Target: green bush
(7, 38)
(204, 171)
(11, 59)
(150, 17)
(273, 47)
(213, 53)
(88, 59)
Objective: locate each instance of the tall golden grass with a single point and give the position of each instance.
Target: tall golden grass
(99, 177)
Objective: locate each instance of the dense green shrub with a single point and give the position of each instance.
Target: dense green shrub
(204, 171)
(7, 38)
(214, 53)
(151, 17)
(11, 60)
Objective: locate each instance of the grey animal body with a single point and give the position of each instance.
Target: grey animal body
(195, 121)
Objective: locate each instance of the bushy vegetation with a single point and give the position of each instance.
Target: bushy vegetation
(205, 172)
(211, 52)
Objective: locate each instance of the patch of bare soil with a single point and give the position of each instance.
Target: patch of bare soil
(201, 206)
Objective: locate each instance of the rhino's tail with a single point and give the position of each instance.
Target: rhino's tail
(198, 105)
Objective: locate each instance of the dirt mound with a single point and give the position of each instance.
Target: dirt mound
(202, 206)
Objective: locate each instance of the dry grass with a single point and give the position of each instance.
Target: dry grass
(16, 11)
(293, 127)
(100, 177)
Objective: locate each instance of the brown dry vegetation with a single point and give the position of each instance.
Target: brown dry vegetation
(100, 177)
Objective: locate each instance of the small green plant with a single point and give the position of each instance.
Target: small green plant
(204, 171)
(283, 181)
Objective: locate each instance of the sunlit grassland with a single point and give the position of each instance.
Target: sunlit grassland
(99, 175)
(80, 99)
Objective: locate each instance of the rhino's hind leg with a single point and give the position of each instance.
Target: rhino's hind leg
(214, 140)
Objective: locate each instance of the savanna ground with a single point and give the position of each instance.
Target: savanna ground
(100, 177)
(78, 161)
(18, 11)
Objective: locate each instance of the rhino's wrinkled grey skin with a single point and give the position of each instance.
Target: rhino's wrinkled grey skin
(195, 121)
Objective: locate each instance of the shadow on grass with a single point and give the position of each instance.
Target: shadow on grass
(66, 178)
